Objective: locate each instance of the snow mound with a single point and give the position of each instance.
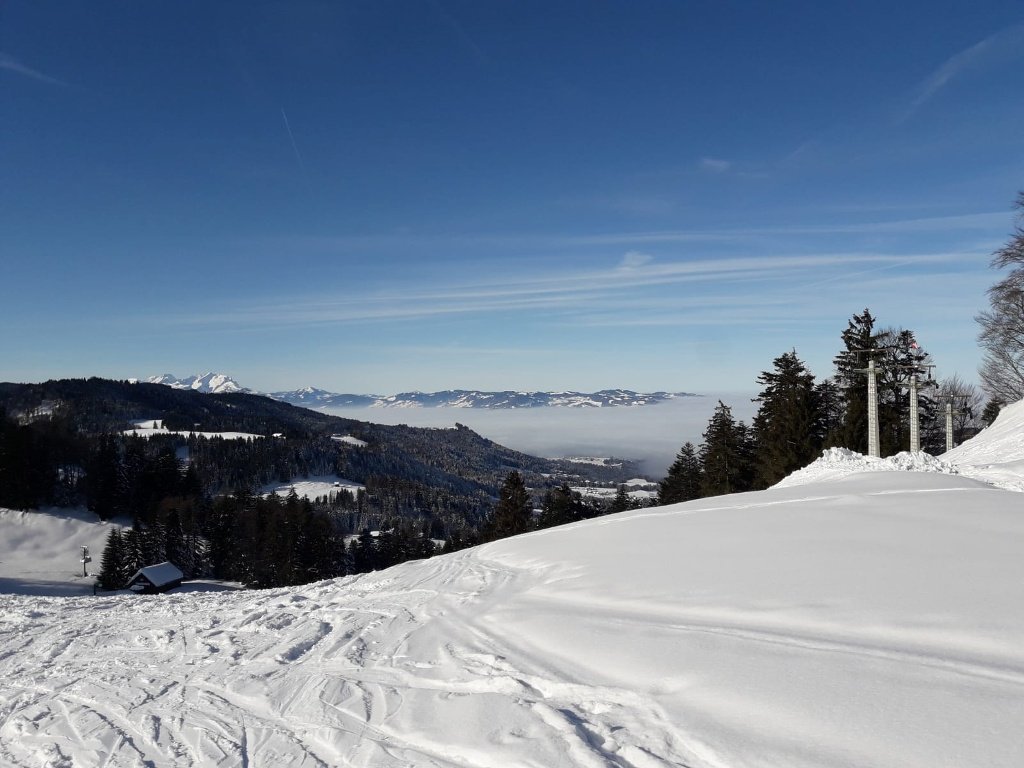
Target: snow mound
(835, 463)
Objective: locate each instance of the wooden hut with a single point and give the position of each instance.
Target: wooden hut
(156, 578)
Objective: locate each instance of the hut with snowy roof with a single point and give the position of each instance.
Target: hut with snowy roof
(156, 578)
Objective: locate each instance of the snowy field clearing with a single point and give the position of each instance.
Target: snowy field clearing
(607, 494)
(150, 427)
(871, 618)
(313, 487)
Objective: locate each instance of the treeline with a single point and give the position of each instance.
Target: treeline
(270, 541)
(197, 501)
(259, 541)
(799, 416)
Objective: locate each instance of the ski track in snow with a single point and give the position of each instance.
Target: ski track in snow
(312, 677)
(362, 671)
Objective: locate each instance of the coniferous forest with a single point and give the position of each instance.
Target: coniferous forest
(799, 416)
(197, 500)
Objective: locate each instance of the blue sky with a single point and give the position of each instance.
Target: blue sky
(382, 196)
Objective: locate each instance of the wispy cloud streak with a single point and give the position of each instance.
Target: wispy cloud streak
(999, 48)
(295, 147)
(10, 64)
(713, 282)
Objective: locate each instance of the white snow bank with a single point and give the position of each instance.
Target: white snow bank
(835, 463)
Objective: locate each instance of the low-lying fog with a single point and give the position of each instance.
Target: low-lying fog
(650, 434)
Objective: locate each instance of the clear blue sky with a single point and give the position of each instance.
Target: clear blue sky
(380, 196)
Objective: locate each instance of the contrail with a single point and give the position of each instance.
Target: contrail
(298, 155)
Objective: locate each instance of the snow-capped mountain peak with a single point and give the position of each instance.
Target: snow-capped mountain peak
(210, 383)
(313, 397)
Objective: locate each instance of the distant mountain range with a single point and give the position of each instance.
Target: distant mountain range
(209, 383)
(319, 399)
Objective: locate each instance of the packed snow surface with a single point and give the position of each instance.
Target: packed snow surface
(867, 618)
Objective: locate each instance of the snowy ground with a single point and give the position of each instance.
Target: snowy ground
(150, 427)
(648, 491)
(312, 487)
(40, 554)
(858, 619)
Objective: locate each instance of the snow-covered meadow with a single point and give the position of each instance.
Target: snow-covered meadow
(850, 617)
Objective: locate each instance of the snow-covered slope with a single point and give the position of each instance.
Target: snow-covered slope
(860, 619)
(997, 453)
(40, 553)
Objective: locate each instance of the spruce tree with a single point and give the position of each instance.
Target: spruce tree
(684, 478)
(513, 514)
(558, 507)
(992, 408)
(621, 502)
(787, 422)
(859, 339)
(112, 565)
(830, 412)
(725, 454)
(901, 358)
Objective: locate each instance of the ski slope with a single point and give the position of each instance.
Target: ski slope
(872, 618)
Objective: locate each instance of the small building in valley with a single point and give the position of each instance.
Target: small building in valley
(156, 578)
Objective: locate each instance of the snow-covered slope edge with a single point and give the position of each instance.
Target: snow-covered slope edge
(835, 463)
(995, 455)
(868, 620)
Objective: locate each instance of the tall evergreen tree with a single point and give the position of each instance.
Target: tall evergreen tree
(859, 342)
(513, 514)
(830, 412)
(724, 454)
(106, 481)
(621, 502)
(112, 565)
(991, 411)
(786, 427)
(897, 356)
(559, 506)
(684, 478)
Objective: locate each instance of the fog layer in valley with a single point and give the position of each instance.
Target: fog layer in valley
(650, 434)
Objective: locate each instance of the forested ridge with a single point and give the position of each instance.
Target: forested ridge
(196, 499)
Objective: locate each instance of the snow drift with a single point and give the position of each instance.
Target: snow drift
(868, 619)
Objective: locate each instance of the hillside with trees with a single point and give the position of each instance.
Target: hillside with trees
(799, 416)
(195, 498)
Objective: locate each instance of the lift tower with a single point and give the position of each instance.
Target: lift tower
(874, 444)
(913, 384)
